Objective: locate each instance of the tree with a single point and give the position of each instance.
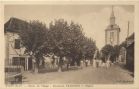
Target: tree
(58, 35)
(33, 36)
(113, 51)
(77, 37)
(116, 52)
(61, 39)
(90, 48)
(107, 50)
(68, 40)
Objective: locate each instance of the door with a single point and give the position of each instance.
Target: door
(29, 64)
(22, 62)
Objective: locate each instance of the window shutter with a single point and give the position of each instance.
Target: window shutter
(17, 44)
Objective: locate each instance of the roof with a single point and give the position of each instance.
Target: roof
(131, 37)
(15, 25)
(112, 13)
(130, 40)
(131, 44)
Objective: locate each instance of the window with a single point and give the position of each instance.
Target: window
(18, 61)
(111, 26)
(17, 44)
(111, 37)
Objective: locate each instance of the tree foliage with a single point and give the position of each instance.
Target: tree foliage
(62, 39)
(112, 51)
(69, 40)
(33, 36)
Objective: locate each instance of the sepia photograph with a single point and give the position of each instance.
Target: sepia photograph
(69, 44)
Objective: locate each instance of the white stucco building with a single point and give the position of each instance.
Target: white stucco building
(14, 52)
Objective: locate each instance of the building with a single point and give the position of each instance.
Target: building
(126, 55)
(122, 55)
(14, 51)
(112, 31)
(130, 52)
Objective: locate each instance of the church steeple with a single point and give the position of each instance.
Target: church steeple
(112, 17)
(112, 31)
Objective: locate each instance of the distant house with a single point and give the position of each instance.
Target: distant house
(127, 52)
(14, 52)
(122, 55)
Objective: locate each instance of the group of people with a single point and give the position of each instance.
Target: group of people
(95, 63)
(52, 61)
(98, 61)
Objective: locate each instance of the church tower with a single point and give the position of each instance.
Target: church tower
(112, 31)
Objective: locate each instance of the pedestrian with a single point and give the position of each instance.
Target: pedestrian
(108, 62)
(81, 64)
(103, 64)
(101, 59)
(95, 63)
(86, 62)
(100, 63)
(33, 64)
(47, 61)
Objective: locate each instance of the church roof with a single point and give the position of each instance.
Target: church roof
(112, 25)
(112, 13)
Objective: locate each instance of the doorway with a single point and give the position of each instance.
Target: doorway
(29, 63)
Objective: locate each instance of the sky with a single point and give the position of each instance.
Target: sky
(93, 18)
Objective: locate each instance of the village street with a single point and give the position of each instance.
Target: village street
(88, 75)
(69, 44)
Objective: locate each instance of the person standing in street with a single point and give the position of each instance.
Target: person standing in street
(81, 64)
(95, 62)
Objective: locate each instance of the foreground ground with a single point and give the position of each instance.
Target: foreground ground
(88, 75)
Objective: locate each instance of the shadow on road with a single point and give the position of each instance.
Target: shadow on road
(123, 66)
(49, 70)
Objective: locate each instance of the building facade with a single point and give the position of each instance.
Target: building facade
(130, 52)
(14, 52)
(122, 55)
(112, 31)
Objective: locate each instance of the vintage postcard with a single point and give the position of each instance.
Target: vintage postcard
(69, 44)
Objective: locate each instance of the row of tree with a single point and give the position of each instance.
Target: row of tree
(63, 39)
(110, 51)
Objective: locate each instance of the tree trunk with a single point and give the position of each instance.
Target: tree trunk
(36, 68)
(34, 65)
(60, 65)
(59, 68)
(67, 66)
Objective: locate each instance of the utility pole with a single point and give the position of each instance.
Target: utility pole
(128, 30)
(127, 42)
